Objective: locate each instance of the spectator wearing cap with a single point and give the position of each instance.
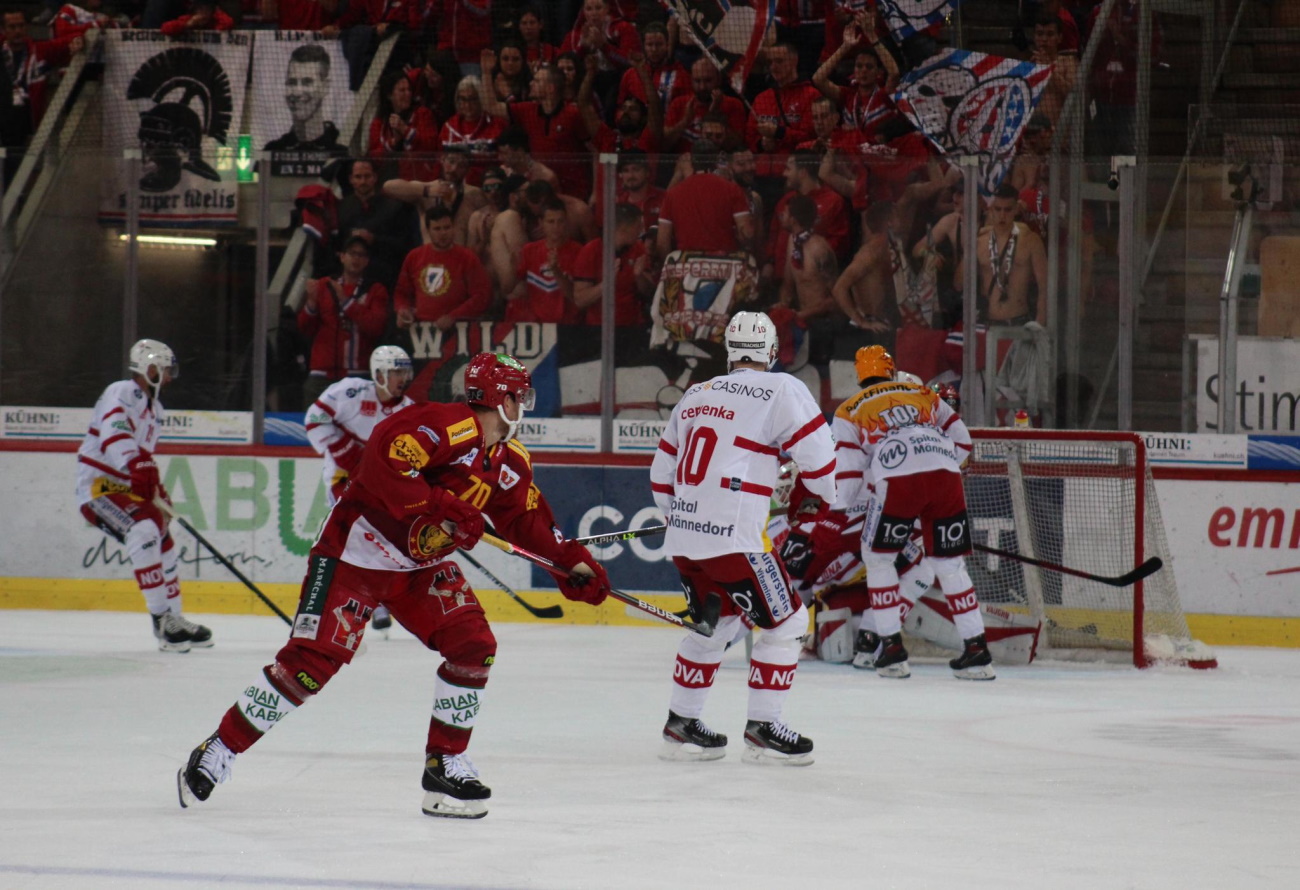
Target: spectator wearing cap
(704, 211)
(554, 128)
(450, 190)
(344, 316)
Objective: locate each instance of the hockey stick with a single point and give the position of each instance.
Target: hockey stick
(614, 537)
(1150, 567)
(702, 628)
(543, 612)
(171, 514)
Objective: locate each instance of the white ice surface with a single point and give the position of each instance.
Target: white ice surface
(1059, 776)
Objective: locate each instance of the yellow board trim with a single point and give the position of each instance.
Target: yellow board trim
(233, 598)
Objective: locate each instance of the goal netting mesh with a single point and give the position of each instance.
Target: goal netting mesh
(1086, 501)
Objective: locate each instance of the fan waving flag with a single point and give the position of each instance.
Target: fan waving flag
(908, 17)
(730, 33)
(973, 104)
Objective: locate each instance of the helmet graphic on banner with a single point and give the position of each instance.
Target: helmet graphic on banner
(873, 361)
(491, 376)
(751, 337)
(386, 360)
(153, 355)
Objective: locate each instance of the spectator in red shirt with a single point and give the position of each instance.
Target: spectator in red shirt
(670, 79)
(832, 216)
(536, 51)
(685, 113)
(635, 188)
(27, 63)
(704, 211)
(441, 282)
(598, 30)
(513, 79)
(344, 316)
(782, 115)
(470, 127)
(403, 132)
(826, 126)
(544, 273)
(204, 16)
(802, 23)
(555, 130)
(1113, 79)
(300, 15)
(867, 101)
(633, 283)
(71, 20)
(463, 26)
(433, 83)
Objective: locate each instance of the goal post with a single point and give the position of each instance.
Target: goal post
(1085, 500)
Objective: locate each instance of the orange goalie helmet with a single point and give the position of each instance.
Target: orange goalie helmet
(873, 361)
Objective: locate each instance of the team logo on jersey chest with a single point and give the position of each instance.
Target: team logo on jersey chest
(508, 478)
(369, 408)
(435, 280)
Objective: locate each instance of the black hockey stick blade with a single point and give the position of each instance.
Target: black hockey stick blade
(614, 537)
(1150, 567)
(535, 611)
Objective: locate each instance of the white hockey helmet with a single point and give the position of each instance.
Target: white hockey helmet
(904, 377)
(387, 359)
(751, 336)
(153, 355)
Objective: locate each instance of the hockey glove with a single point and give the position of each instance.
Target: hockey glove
(587, 582)
(144, 476)
(461, 520)
(346, 453)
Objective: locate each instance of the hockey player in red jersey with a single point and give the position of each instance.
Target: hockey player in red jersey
(713, 475)
(426, 477)
(118, 487)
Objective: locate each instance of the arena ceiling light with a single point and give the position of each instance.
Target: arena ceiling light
(173, 240)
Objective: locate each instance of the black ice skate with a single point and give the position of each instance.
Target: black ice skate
(382, 621)
(892, 660)
(208, 766)
(689, 739)
(200, 636)
(170, 633)
(975, 662)
(452, 788)
(865, 645)
(775, 743)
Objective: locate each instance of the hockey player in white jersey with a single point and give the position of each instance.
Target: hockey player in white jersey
(712, 476)
(915, 446)
(118, 486)
(340, 421)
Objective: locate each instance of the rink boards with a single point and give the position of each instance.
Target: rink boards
(1234, 537)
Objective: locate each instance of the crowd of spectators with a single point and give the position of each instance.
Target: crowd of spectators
(478, 196)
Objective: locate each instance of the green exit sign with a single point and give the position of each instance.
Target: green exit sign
(244, 160)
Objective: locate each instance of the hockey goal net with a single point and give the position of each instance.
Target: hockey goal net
(1084, 500)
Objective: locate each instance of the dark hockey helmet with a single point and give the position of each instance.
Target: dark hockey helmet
(490, 376)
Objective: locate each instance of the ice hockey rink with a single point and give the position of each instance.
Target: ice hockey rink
(1054, 776)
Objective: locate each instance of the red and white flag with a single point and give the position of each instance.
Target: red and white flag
(730, 33)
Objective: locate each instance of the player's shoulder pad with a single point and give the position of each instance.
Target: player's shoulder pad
(127, 392)
(515, 451)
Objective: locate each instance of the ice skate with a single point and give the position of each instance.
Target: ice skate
(891, 662)
(200, 636)
(452, 788)
(975, 662)
(688, 739)
(865, 646)
(170, 633)
(775, 743)
(208, 766)
(382, 621)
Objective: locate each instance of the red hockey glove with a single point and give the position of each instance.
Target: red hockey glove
(144, 476)
(803, 504)
(587, 583)
(463, 522)
(346, 453)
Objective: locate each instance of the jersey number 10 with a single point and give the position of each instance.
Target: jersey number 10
(694, 462)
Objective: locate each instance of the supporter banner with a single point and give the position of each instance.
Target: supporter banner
(440, 358)
(300, 92)
(973, 104)
(216, 427)
(179, 100)
(908, 17)
(1268, 385)
(731, 33)
(698, 293)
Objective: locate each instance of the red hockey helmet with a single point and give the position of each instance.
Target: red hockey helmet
(490, 376)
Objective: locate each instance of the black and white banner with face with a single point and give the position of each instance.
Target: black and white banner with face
(300, 99)
(179, 100)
